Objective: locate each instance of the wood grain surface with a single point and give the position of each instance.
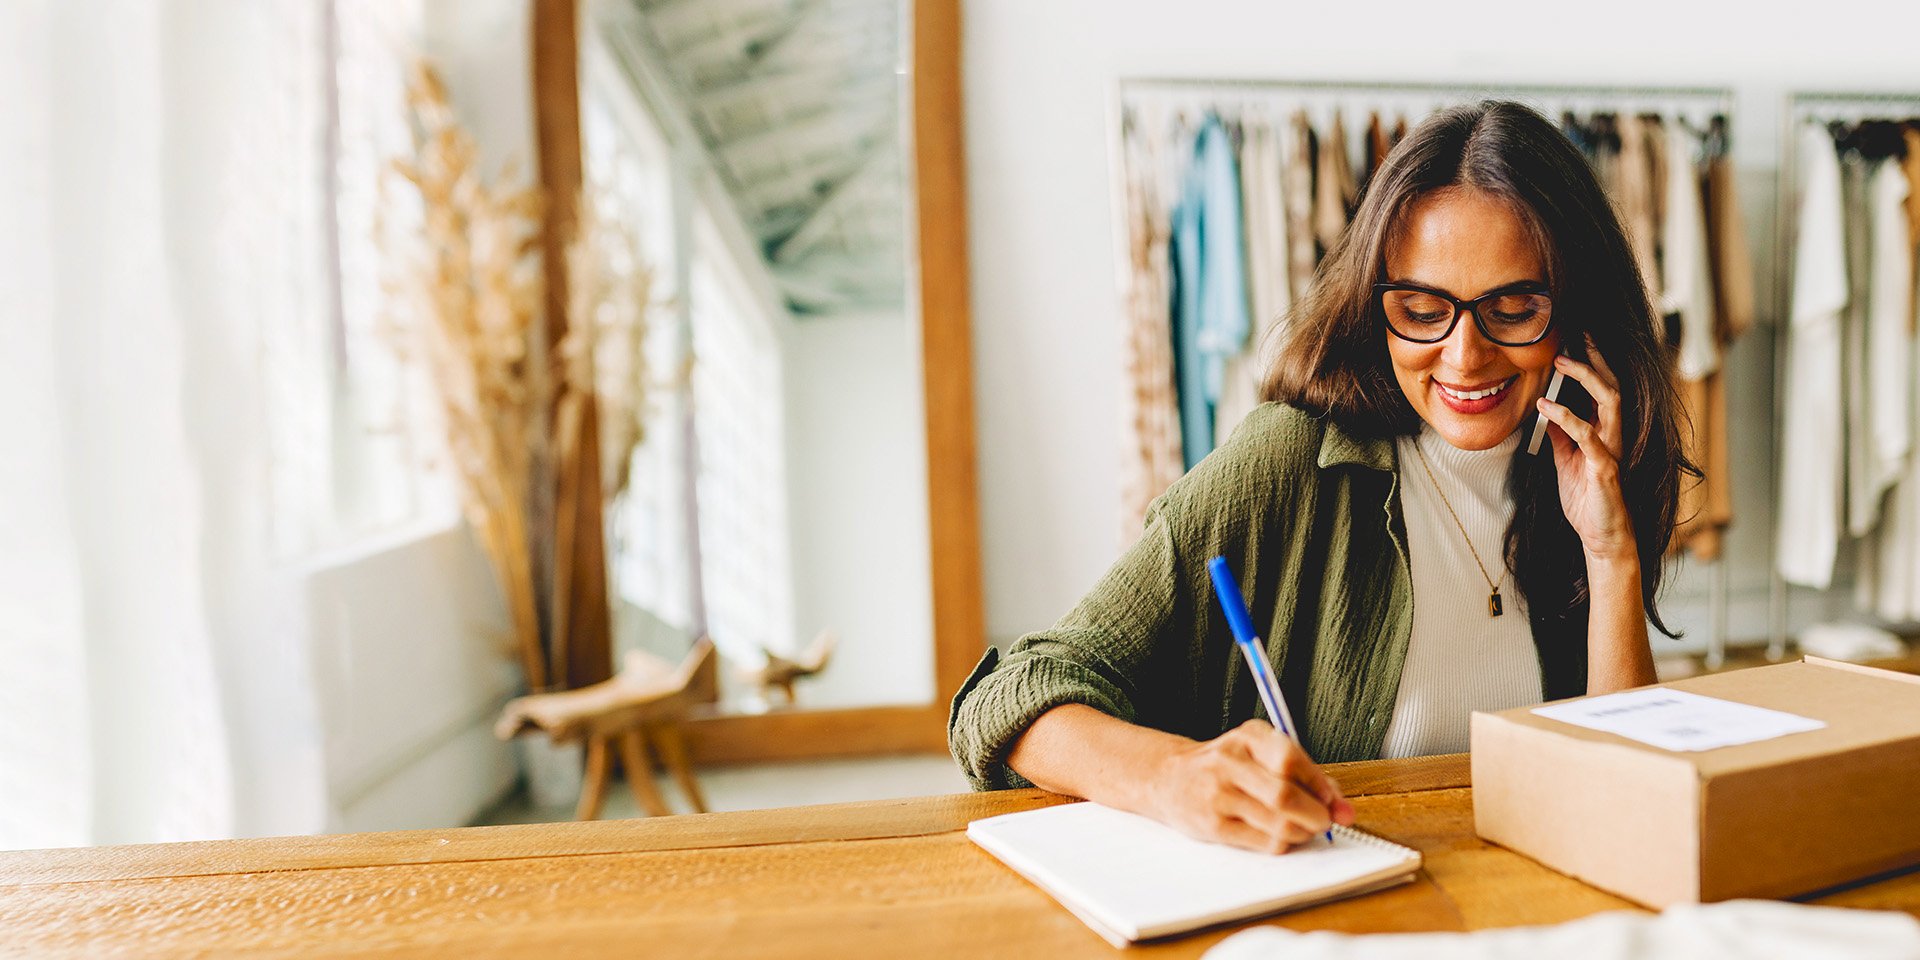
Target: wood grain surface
(884, 877)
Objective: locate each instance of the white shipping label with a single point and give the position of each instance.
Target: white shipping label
(1677, 720)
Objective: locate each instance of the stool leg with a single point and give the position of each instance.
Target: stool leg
(673, 749)
(633, 753)
(594, 788)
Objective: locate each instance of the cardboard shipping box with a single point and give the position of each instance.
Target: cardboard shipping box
(1775, 818)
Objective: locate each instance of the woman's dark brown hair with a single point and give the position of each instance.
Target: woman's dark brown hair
(1333, 360)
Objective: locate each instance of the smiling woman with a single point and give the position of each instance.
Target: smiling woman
(1464, 239)
(1366, 503)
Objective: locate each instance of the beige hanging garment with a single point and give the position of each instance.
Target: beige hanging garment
(1693, 528)
(1153, 459)
(1334, 186)
(1732, 257)
(1635, 169)
(1911, 164)
(1299, 193)
(1733, 298)
(1377, 145)
(1256, 195)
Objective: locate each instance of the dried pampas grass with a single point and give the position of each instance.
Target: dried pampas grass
(465, 307)
(610, 286)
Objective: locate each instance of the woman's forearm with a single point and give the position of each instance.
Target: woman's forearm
(1618, 656)
(1251, 786)
(1079, 751)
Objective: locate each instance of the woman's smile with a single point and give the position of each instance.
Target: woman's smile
(1479, 398)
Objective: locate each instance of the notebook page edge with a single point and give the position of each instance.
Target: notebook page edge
(1113, 930)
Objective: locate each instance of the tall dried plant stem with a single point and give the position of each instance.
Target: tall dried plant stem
(470, 302)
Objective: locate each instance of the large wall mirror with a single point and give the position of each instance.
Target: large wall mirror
(803, 492)
(299, 519)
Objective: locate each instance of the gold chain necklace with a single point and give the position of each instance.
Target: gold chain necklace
(1493, 599)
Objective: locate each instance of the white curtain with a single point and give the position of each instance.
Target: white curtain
(159, 211)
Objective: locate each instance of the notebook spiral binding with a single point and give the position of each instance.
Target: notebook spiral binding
(1351, 835)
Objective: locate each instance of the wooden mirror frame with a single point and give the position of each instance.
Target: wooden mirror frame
(953, 509)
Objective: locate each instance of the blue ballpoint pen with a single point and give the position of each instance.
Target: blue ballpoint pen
(1235, 605)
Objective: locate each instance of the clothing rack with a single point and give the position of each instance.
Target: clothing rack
(1320, 98)
(1797, 107)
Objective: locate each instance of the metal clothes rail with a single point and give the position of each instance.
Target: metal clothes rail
(1801, 107)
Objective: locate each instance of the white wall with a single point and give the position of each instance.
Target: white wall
(411, 641)
(1046, 307)
(412, 667)
(856, 470)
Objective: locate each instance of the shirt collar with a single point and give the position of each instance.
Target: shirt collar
(1341, 448)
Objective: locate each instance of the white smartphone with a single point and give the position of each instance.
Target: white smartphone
(1540, 419)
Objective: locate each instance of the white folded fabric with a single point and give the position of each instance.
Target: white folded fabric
(1734, 930)
(1857, 642)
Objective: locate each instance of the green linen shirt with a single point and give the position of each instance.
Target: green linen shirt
(1308, 515)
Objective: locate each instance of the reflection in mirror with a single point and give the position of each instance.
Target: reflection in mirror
(778, 502)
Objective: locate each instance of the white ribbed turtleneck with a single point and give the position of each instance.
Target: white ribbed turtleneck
(1459, 659)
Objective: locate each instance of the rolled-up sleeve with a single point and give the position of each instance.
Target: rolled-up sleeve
(1112, 653)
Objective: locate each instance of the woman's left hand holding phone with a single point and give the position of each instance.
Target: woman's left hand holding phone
(1586, 458)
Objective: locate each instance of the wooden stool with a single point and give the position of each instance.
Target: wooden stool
(780, 673)
(639, 712)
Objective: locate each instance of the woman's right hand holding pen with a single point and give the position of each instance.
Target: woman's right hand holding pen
(1250, 787)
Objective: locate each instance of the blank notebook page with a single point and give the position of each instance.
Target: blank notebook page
(1131, 878)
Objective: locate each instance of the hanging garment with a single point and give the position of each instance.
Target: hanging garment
(1263, 197)
(1888, 581)
(1263, 201)
(1210, 292)
(1656, 137)
(1377, 145)
(1687, 295)
(1863, 486)
(1299, 190)
(1635, 183)
(1333, 187)
(1732, 256)
(1602, 133)
(1910, 162)
(1891, 559)
(1889, 327)
(1733, 300)
(1153, 458)
(1247, 146)
(1686, 274)
(1810, 507)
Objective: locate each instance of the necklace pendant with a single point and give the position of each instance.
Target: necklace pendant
(1493, 604)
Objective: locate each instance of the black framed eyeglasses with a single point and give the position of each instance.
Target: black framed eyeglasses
(1517, 315)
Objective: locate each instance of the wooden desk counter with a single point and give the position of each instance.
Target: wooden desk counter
(860, 879)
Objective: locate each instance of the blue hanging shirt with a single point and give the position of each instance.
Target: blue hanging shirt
(1210, 314)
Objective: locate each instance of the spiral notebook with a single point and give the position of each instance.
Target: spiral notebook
(1131, 878)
